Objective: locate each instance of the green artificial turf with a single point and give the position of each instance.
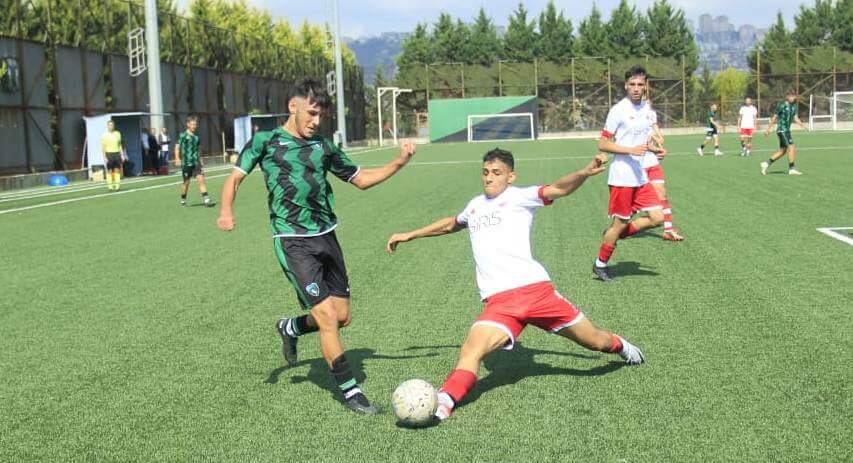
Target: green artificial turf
(133, 330)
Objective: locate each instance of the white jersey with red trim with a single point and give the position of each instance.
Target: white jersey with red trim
(628, 125)
(499, 229)
(748, 113)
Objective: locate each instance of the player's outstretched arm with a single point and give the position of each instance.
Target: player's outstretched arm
(567, 184)
(438, 228)
(226, 222)
(608, 146)
(367, 178)
(800, 123)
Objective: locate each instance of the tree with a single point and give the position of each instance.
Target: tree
(556, 38)
(814, 26)
(666, 31)
(521, 39)
(624, 32)
(592, 35)
(842, 30)
(444, 34)
(483, 44)
(731, 85)
(778, 36)
(416, 48)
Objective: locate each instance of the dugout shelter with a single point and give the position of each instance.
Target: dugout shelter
(128, 124)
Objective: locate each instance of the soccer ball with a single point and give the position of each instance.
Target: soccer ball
(414, 402)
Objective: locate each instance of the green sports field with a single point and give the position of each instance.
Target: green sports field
(133, 330)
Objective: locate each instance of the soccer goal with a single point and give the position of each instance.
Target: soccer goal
(842, 110)
(501, 127)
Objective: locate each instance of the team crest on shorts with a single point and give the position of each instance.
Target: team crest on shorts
(313, 289)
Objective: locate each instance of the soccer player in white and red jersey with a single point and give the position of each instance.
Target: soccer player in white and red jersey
(516, 288)
(746, 122)
(654, 171)
(626, 134)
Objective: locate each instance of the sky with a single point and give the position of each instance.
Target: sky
(365, 18)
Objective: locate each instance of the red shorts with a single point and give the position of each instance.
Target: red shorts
(655, 174)
(746, 132)
(626, 200)
(537, 304)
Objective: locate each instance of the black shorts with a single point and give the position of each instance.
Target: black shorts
(785, 139)
(188, 172)
(314, 265)
(711, 132)
(113, 161)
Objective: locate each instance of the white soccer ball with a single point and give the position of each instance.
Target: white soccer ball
(414, 402)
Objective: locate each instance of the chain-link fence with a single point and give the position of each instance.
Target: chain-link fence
(576, 94)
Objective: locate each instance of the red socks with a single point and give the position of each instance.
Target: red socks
(630, 230)
(605, 252)
(458, 384)
(615, 344)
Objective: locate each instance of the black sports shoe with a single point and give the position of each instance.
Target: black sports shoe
(602, 273)
(359, 404)
(288, 342)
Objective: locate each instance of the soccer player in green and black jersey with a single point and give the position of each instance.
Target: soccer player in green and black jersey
(785, 114)
(295, 161)
(187, 156)
(712, 130)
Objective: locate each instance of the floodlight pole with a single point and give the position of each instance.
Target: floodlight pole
(339, 76)
(379, 92)
(155, 89)
(394, 95)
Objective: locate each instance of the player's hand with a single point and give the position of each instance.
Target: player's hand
(226, 222)
(596, 165)
(639, 149)
(407, 150)
(177, 162)
(661, 154)
(396, 239)
(767, 132)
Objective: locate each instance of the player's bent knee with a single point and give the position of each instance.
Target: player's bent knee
(325, 315)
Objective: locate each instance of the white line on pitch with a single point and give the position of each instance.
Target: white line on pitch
(830, 231)
(19, 196)
(102, 195)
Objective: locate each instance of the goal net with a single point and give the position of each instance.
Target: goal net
(842, 111)
(508, 126)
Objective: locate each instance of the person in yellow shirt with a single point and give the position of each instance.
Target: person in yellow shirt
(114, 154)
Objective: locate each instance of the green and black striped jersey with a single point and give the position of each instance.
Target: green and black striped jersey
(710, 118)
(785, 115)
(300, 199)
(188, 143)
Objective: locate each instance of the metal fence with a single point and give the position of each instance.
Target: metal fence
(46, 87)
(576, 94)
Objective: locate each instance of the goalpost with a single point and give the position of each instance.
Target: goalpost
(833, 112)
(842, 110)
(501, 127)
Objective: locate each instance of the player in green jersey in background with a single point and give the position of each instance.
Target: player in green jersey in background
(188, 158)
(712, 130)
(785, 114)
(295, 160)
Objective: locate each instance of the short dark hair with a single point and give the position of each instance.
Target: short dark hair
(311, 89)
(503, 156)
(192, 118)
(636, 71)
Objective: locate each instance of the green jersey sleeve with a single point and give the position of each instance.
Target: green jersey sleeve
(252, 153)
(780, 111)
(340, 164)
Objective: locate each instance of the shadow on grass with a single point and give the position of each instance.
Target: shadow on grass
(510, 367)
(632, 268)
(320, 375)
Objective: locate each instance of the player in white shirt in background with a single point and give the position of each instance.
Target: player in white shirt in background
(654, 171)
(626, 135)
(516, 288)
(747, 123)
